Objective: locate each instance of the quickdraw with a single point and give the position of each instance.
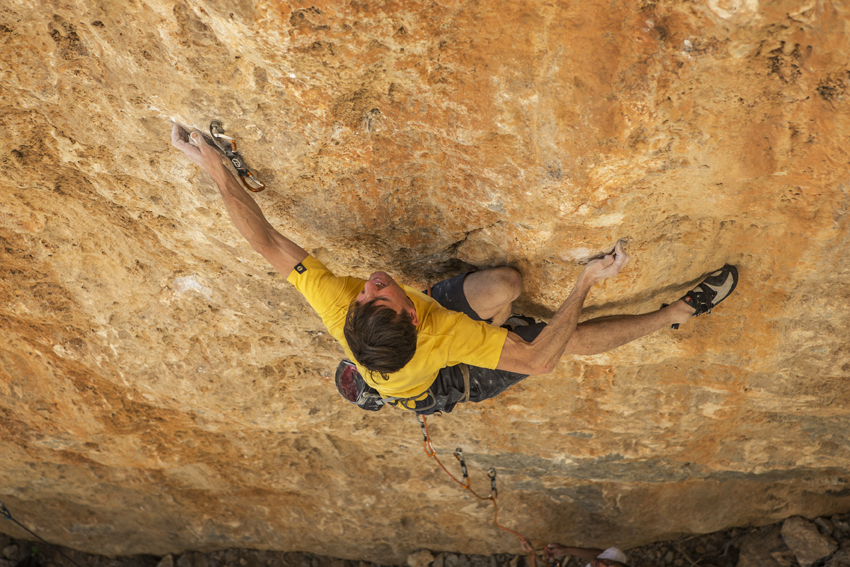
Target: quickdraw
(545, 555)
(227, 146)
(465, 483)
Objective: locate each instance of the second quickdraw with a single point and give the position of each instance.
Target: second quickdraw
(227, 146)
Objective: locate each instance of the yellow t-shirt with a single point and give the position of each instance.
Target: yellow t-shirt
(444, 337)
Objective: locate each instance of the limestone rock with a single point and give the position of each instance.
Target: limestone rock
(10, 552)
(807, 543)
(824, 525)
(764, 548)
(162, 389)
(840, 559)
(421, 558)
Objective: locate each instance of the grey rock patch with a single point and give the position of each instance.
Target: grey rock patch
(840, 559)
(764, 548)
(806, 541)
(825, 526)
(10, 552)
(420, 558)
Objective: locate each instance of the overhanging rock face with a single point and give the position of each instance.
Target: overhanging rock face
(163, 389)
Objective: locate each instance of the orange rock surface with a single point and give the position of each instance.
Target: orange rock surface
(162, 389)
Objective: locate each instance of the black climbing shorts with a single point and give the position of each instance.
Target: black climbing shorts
(448, 388)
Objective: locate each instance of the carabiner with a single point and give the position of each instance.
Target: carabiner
(429, 448)
(459, 457)
(227, 146)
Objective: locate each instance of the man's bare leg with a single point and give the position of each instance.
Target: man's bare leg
(491, 293)
(605, 333)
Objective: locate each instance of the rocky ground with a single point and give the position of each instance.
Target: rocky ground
(796, 542)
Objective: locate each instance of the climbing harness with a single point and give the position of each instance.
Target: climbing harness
(8, 515)
(227, 146)
(351, 386)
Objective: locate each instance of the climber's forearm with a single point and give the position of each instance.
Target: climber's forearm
(251, 223)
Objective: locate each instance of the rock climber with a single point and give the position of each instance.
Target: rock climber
(429, 352)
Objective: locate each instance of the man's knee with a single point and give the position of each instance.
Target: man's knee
(503, 283)
(512, 281)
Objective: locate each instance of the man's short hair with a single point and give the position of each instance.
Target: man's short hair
(380, 339)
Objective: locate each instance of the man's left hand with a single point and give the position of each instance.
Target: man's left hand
(202, 154)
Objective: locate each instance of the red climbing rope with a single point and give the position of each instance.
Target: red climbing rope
(431, 452)
(546, 555)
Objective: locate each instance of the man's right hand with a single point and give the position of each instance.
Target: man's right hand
(202, 154)
(606, 267)
(543, 353)
(246, 215)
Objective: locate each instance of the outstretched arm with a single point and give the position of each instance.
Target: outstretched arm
(281, 253)
(542, 355)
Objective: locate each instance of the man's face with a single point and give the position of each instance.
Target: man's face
(386, 292)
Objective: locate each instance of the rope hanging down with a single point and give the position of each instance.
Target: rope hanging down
(546, 555)
(8, 515)
(465, 483)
